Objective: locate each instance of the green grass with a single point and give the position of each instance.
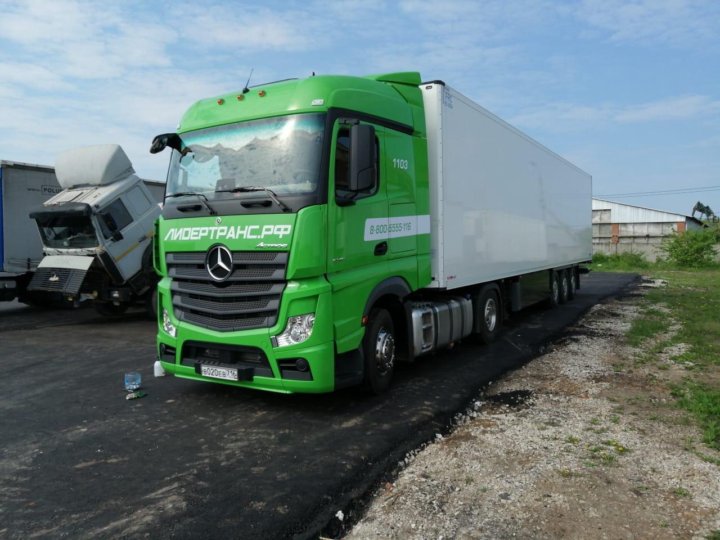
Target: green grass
(704, 403)
(692, 299)
(625, 262)
(649, 324)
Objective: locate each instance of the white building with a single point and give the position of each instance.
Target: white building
(622, 228)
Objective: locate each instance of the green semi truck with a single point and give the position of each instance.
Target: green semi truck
(316, 232)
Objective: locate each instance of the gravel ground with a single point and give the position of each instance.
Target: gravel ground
(583, 442)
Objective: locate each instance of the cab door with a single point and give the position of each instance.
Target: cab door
(126, 224)
(357, 235)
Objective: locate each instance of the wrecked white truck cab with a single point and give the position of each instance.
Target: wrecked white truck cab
(97, 232)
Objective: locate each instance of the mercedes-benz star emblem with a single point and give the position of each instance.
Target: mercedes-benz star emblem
(219, 263)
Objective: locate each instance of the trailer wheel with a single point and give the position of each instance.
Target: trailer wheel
(379, 351)
(554, 299)
(489, 313)
(108, 309)
(572, 283)
(564, 286)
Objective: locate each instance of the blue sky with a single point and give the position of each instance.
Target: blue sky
(627, 90)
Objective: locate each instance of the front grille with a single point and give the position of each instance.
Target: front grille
(248, 298)
(197, 352)
(63, 280)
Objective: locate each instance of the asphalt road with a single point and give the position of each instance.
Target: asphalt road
(199, 460)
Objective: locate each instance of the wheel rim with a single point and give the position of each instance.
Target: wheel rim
(384, 351)
(565, 287)
(555, 291)
(573, 283)
(490, 314)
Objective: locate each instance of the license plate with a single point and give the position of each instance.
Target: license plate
(217, 372)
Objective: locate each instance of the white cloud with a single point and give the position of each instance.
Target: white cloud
(686, 23)
(677, 108)
(247, 31)
(32, 76)
(82, 39)
(569, 116)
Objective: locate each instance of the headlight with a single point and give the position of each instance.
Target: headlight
(297, 330)
(168, 326)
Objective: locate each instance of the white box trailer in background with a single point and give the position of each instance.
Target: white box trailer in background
(501, 204)
(22, 187)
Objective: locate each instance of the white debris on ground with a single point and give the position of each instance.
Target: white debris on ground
(583, 442)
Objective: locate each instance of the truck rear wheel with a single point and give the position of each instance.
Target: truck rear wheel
(489, 312)
(379, 351)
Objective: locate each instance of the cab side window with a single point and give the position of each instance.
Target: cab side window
(342, 161)
(342, 167)
(114, 218)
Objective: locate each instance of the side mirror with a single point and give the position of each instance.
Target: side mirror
(166, 139)
(363, 168)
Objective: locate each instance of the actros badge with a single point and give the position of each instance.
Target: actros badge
(219, 263)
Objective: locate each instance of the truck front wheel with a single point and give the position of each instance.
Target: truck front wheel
(379, 351)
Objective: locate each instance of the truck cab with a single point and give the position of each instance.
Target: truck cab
(274, 233)
(97, 232)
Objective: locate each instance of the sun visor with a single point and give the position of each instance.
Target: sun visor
(65, 210)
(96, 165)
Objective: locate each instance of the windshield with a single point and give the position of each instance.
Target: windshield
(67, 232)
(282, 154)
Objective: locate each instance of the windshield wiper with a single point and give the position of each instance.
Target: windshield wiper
(270, 193)
(201, 197)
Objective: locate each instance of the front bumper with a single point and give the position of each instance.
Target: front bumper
(307, 367)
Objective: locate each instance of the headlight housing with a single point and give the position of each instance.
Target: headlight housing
(167, 325)
(298, 329)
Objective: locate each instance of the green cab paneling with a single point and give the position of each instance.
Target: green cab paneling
(314, 94)
(309, 251)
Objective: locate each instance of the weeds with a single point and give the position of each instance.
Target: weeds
(687, 311)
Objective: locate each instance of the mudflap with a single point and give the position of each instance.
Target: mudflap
(349, 369)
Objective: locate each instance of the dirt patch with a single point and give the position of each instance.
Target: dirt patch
(583, 442)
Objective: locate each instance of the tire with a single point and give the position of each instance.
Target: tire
(151, 304)
(572, 283)
(554, 299)
(379, 351)
(489, 316)
(564, 284)
(108, 309)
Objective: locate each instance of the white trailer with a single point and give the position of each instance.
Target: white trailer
(22, 186)
(510, 222)
(501, 204)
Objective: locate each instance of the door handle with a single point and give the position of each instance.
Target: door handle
(381, 248)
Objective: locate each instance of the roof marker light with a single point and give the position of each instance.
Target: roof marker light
(240, 97)
(220, 101)
(262, 93)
